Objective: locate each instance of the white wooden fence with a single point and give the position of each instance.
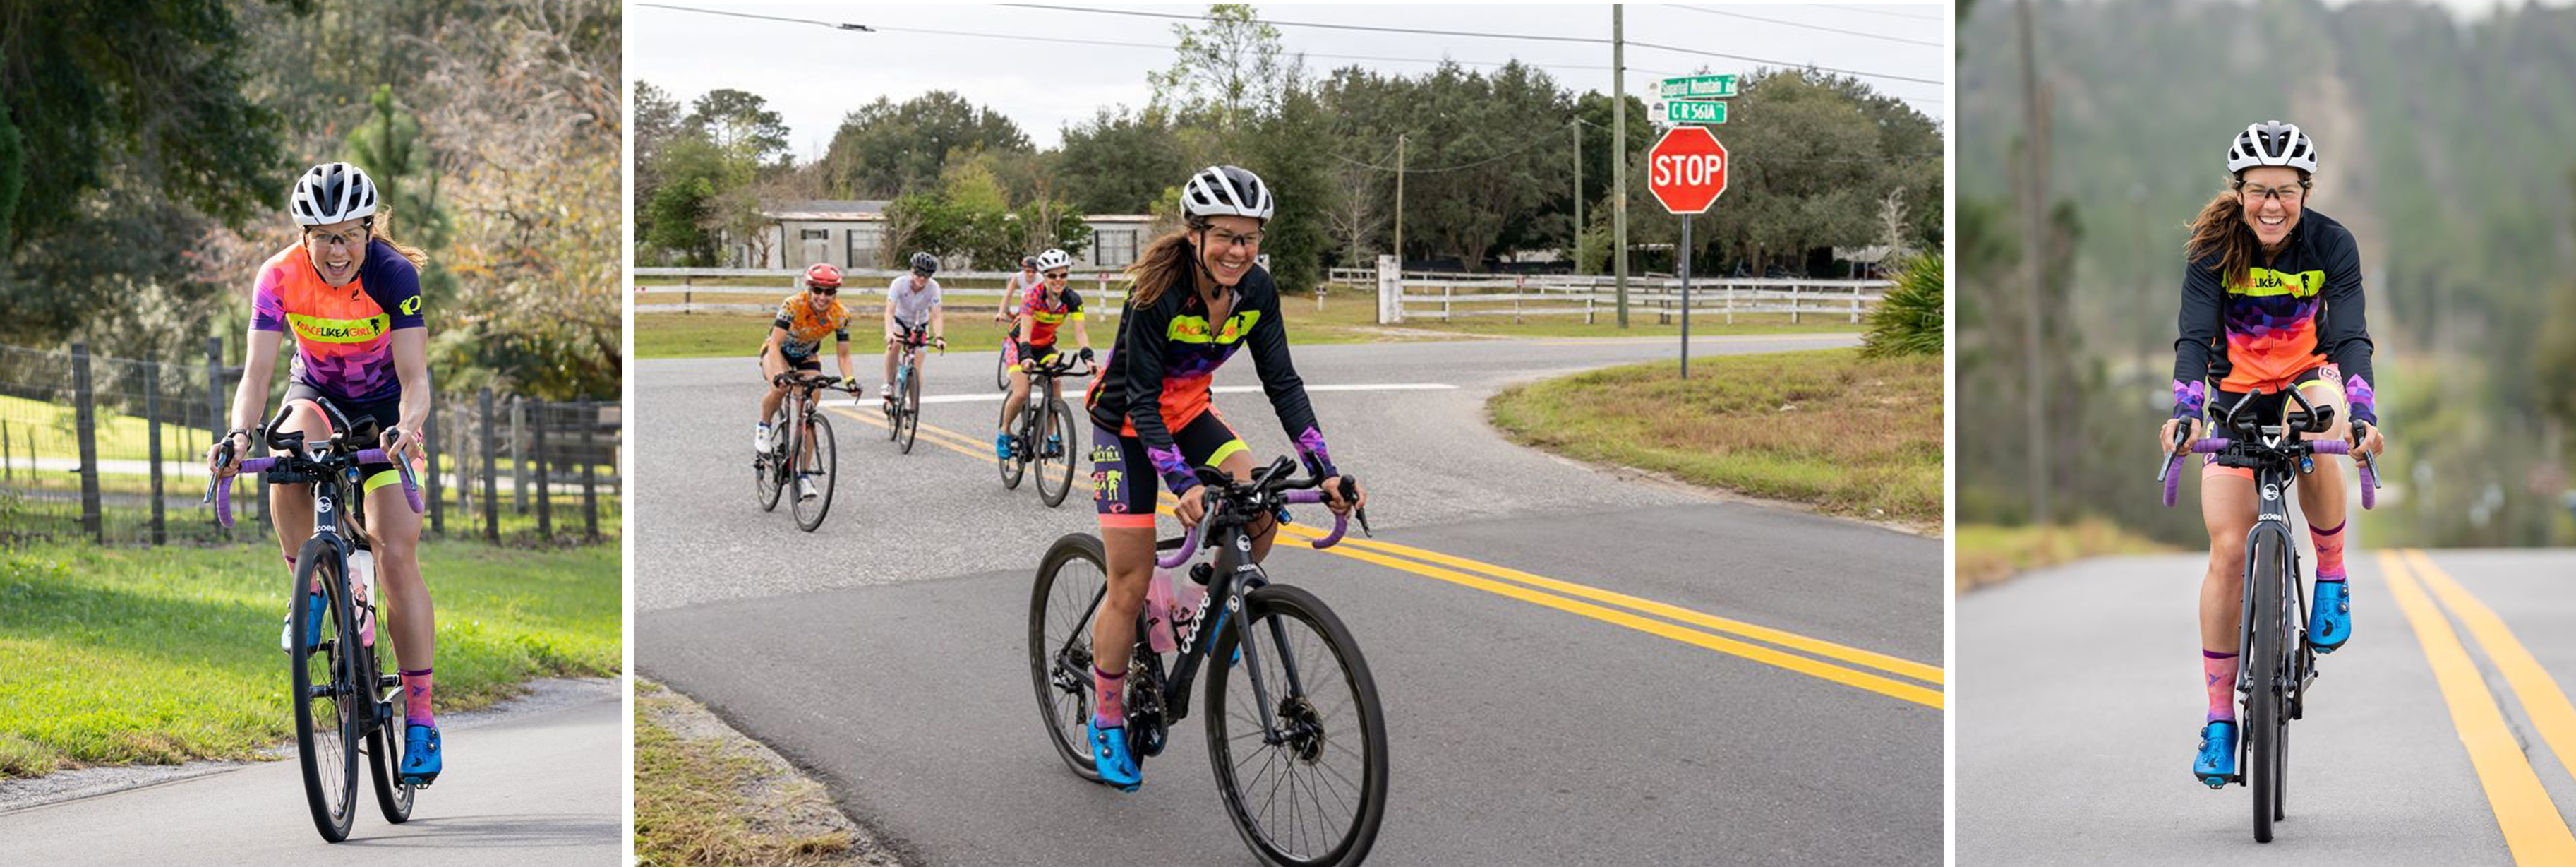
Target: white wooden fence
(677, 290)
(1450, 296)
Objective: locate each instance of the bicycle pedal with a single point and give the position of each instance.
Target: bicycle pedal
(2214, 782)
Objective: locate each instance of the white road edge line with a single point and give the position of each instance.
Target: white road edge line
(1225, 389)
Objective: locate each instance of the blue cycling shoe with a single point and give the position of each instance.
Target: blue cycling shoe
(2330, 623)
(421, 759)
(1109, 756)
(1002, 446)
(2215, 767)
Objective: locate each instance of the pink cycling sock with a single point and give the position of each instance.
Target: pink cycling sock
(2220, 670)
(1111, 710)
(416, 698)
(2329, 552)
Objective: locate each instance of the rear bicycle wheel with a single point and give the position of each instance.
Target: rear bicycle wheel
(821, 463)
(2263, 704)
(910, 423)
(768, 473)
(1313, 793)
(326, 722)
(1054, 457)
(1001, 367)
(1072, 578)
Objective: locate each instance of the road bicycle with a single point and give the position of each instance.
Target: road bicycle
(809, 438)
(903, 407)
(1295, 732)
(345, 706)
(2276, 664)
(1043, 429)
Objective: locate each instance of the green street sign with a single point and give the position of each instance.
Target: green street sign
(1689, 111)
(1699, 87)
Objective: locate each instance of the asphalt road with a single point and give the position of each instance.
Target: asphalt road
(539, 786)
(886, 653)
(2081, 709)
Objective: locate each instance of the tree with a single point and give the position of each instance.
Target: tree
(1117, 163)
(393, 150)
(889, 149)
(1228, 72)
(1287, 149)
(741, 124)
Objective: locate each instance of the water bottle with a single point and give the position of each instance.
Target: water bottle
(1159, 611)
(362, 589)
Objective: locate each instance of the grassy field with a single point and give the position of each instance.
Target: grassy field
(115, 655)
(120, 437)
(1989, 554)
(1345, 318)
(706, 800)
(1849, 435)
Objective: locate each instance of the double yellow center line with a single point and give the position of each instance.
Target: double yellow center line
(1905, 679)
(2533, 828)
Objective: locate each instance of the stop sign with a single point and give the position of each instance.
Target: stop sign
(1686, 169)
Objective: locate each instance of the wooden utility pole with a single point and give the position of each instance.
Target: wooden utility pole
(1574, 242)
(1399, 205)
(1619, 157)
(2034, 206)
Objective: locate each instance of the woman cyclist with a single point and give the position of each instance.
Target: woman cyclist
(351, 295)
(1047, 307)
(1007, 314)
(2282, 284)
(1196, 295)
(912, 307)
(796, 343)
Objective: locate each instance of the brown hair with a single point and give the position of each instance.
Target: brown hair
(382, 226)
(2220, 229)
(1166, 262)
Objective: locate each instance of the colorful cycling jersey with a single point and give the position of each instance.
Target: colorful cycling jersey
(2276, 323)
(806, 325)
(1045, 317)
(343, 334)
(1156, 376)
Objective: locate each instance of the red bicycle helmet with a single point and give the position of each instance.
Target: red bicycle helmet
(823, 275)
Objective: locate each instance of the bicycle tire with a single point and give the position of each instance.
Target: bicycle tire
(2263, 723)
(326, 732)
(911, 421)
(1064, 705)
(385, 742)
(1056, 426)
(1001, 370)
(826, 463)
(893, 407)
(765, 469)
(1264, 612)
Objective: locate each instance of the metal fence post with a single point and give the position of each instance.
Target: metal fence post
(545, 498)
(152, 435)
(429, 446)
(88, 433)
(590, 468)
(491, 480)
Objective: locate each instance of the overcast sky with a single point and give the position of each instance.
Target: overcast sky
(814, 74)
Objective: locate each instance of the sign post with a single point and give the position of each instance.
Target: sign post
(1686, 172)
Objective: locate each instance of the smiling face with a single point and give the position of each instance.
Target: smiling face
(2273, 197)
(336, 249)
(1228, 247)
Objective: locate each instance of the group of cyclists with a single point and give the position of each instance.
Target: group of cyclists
(1195, 296)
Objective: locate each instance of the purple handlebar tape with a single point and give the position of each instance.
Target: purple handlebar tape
(2173, 477)
(2369, 487)
(2212, 445)
(224, 491)
(2330, 447)
(1190, 543)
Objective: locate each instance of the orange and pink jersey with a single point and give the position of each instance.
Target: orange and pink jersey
(343, 334)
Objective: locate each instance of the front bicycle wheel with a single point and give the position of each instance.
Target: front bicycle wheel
(1001, 369)
(2263, 722)
(821, 463)
(1072, 578)
(322, 672)
(1295, 732)
(1054, 458)
(769, 473)
(910, 423)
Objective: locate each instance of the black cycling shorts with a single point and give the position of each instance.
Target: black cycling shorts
(1123, 480)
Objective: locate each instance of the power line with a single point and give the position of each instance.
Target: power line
(1526, 145)
(1482, 35)
(1709, 11)
(1849, 8)
(831, 24)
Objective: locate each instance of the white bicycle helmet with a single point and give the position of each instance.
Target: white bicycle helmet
(332, 193)
(1226, 191)
(2272, 143)
(1053, 259)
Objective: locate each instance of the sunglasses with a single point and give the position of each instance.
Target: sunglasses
(824, 290)
(1056, 275)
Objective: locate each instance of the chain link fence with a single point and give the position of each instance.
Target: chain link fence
(113, 451)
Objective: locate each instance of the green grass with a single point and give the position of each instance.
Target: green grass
(1346, 317)
(120, 437)
(1989, 554)
(698, 801)
(1849, 435)
(116, 655)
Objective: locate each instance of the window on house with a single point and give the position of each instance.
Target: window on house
(865, 240)
(814, 234)
(1113, 248)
